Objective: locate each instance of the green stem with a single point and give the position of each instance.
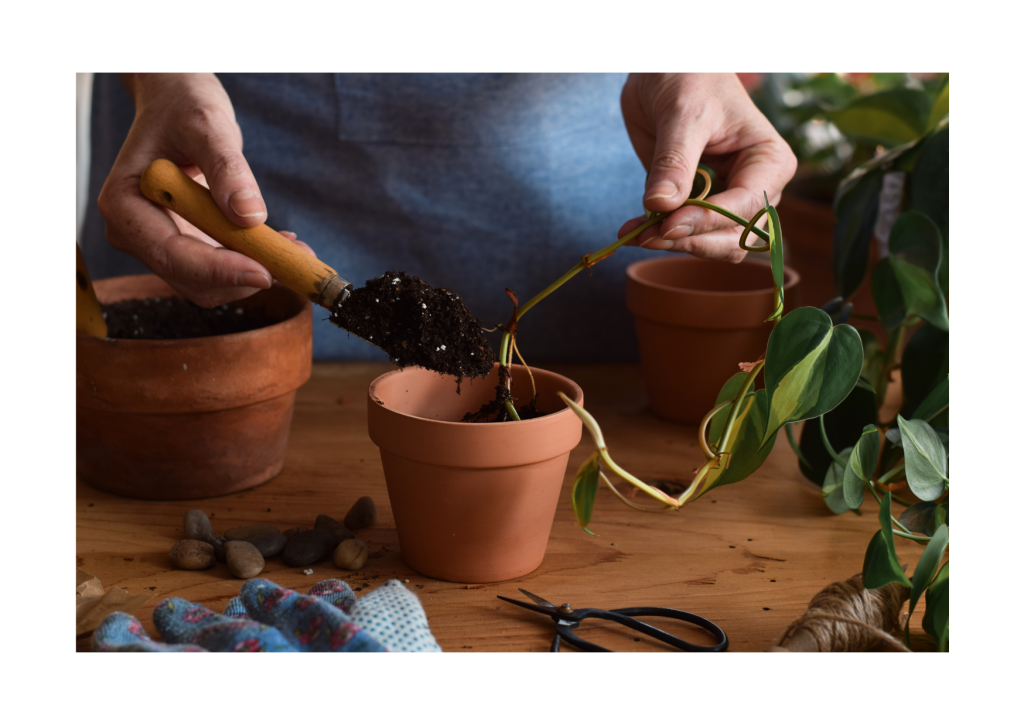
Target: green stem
(796, 449)
(734, 411)
(828, 444)
(891, 474)
(902, 531)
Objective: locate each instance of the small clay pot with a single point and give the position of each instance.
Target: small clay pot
(696, 320)
(191, 418)
(473, 502)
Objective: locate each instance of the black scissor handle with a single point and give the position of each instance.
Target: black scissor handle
(626, 616)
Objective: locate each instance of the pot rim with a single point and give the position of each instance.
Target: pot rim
(790, 276)
(577, 399)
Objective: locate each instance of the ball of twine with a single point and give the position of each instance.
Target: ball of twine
(846, 617)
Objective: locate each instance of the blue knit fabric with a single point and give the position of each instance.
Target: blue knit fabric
(476, 182)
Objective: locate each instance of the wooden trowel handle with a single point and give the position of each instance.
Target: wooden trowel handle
(167, 185)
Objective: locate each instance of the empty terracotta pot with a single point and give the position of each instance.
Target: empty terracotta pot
(199, 417)
(695, 321)
(473, 502)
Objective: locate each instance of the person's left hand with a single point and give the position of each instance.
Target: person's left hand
(676, 121)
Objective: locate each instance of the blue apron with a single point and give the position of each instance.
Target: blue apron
(476, 182)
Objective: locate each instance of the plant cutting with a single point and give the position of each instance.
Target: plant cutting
(815, 361)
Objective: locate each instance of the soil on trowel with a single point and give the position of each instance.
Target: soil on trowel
(495, 411)
(174, 318)
(417, 325)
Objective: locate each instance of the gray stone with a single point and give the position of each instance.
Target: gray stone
(246, 531)
(197, 525)
(308, 547)
(192, 554)
(336, 528)
(351, 554)
(270, 544)
(244, 560)
(363, 514)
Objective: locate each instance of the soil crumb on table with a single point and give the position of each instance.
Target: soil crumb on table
(417, 325)
(175, 318)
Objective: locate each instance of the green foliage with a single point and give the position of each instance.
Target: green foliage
(881, 565)
(935, 403)
(926, 459)
(810, 367)
(916, 253)
(860, 467)
(889, 118)
(936, 614)
(584, 490)
(843, 424)
(856, 211)
(885, 290)
(832, 490)
(928, 564)
(924, 366)
(925, 517)
(778, 263)
(745, 443)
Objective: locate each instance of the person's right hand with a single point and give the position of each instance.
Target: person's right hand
(188, 119)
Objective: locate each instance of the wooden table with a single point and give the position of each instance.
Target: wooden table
(749, 556)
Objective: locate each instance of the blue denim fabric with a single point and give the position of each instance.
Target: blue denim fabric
(475, 182)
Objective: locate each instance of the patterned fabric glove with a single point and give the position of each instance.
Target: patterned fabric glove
(270, 618)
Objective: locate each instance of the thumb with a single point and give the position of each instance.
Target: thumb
(677, 150)
(219, 157)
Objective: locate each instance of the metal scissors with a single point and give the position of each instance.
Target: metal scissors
(566, 619)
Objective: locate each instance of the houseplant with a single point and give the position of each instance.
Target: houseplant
(189, 418)
(815, 361)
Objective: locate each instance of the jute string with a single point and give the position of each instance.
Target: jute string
(845, 617)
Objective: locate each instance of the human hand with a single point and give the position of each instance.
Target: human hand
(187, 118)
(676, 121)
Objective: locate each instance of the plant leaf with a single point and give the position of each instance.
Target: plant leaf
(925, 517)
(915, 245)
(889, 118)
(832, 488)
(885, 289)
(940, 109)
(873, 369)
(936, 614)
(925, 457)
(881, 565)
(860, 467)
(929, 181)
(843, 424)
(744, 444)
(925, 365)
(856, 210)
(928, 564)
(934, 403)
(810, 367)
(584, 490)
(778, 262)
(729, 391)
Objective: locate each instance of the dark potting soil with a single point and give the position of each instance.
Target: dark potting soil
(495, 411)
(417, 325)
(174, 318)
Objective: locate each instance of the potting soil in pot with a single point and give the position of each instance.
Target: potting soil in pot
(417, 325)
(495, 411)
(175, 318)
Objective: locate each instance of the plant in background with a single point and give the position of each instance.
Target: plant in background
(817, 366)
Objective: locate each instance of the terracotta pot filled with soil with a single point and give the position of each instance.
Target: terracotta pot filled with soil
(186, 402)
(473, 502)
(695, 321)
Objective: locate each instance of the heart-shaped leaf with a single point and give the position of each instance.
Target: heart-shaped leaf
(928, 564)
(881, 565)
(860, 467)
(915, 245)
(936, 614)
(729, 391)
(889, 118)
(584, 490)
(744, 443)
(935, 403)
(885, 290)
(843, 425)
(925, 517)
(925, 457)
(856, 210)
(832, 488)
(810, 367)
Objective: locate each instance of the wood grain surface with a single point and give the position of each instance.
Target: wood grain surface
(749, 556)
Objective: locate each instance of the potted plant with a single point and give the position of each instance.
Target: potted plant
(193, 417)
(817, 367)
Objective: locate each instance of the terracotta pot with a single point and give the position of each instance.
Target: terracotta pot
(472, 502)
(200, 417)
(695, 321)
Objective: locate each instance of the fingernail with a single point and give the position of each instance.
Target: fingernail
(286, 233)
(254, 279)
(661, 190)
(683, 230)
(246, 203)
(656, 243)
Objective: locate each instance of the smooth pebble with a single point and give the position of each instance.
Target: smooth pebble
(308, 547)
(351, 554)
(336, 528)
(244, 560)
(192, 554)
(197, 525)
(270, 544)
(363, 514)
